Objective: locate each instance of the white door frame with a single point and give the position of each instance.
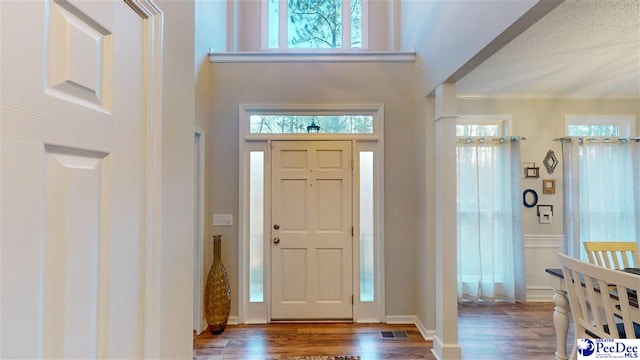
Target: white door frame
(199, 323)
(259, 311)
(153, 67)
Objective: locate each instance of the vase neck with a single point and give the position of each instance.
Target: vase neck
(217, 248)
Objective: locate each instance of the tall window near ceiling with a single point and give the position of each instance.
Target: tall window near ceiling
(601, 181)
(314, 24)
(490, 246)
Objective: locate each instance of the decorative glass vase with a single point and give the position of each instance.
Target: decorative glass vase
(217, 301)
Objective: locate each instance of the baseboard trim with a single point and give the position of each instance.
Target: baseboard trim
(539, 294)
(443, 351)
(233, 320)
(427, 334)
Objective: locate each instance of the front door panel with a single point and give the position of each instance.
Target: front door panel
(311, 234)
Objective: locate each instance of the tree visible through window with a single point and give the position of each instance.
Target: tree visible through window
(292, 124)
(593, 130)
(316, 24)
(599, 125)
(478, 130)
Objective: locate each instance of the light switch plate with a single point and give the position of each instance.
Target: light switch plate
(222, 219)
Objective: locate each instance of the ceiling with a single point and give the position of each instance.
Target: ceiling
(581, 49)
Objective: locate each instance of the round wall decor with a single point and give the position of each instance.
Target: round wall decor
(529, 198)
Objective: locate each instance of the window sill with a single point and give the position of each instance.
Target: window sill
(314, 56)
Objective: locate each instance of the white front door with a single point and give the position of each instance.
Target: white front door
(311, 242)
(71, 180)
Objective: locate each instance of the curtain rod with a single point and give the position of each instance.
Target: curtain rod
(511, 138)
(594, 138)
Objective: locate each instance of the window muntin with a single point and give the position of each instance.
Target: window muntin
(314, 24)
(297, 124)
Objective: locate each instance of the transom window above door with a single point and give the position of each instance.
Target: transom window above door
(294, 124)
(314, 24)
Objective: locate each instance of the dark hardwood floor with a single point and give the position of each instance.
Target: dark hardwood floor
(486, 331)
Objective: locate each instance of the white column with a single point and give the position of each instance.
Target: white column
(445, 342)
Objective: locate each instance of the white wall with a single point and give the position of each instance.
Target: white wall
(425, 241)
(541, 121)
(447, 34)
(210, 19)
(178, 113)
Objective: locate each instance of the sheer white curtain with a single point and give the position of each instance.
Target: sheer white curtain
(490, 245)
(601, 191)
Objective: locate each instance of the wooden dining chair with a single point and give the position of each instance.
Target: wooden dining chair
(613, 254)
(612, 313)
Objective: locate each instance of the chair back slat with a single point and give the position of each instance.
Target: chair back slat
(603, 301)
(613, 254)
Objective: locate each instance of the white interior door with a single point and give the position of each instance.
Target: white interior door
(311, 242)
(71, 179)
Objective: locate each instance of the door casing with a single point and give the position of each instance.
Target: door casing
(258, 311)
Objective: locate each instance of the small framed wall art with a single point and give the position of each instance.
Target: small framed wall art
(531, 170)
(550, 161)
(548, 186)
(545, 214)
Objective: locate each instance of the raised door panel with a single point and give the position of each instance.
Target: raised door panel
(76, 267)
(71, 180)
(312, 247)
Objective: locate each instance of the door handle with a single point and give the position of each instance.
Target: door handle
(276, 240)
